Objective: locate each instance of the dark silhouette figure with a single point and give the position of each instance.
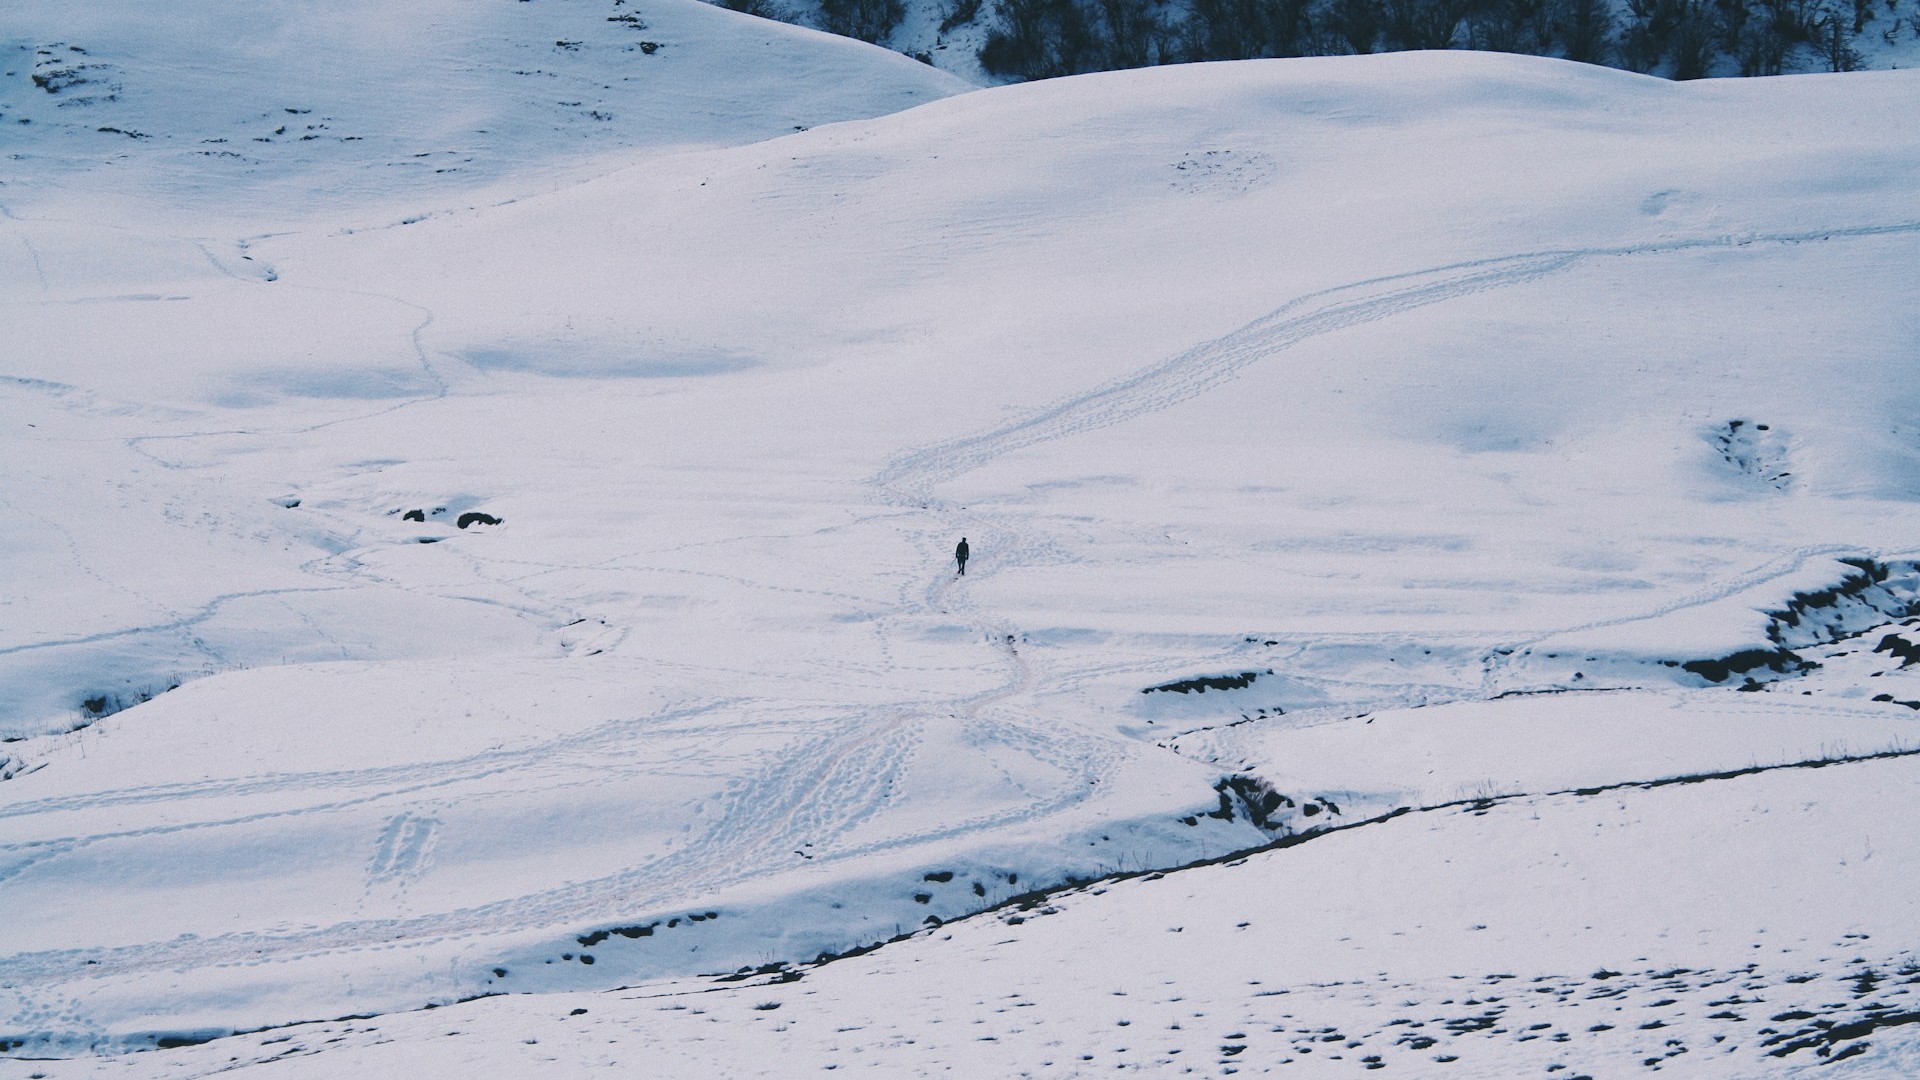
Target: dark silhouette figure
(960, 554)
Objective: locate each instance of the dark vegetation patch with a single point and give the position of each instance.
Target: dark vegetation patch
(783, 972)
(463, 521)
(1550, 691)
(1823, 1036)
(176, 1039)
(1755, 450)
(1464, 1024)
(94, 706)
(963, 12)
(1779, 661)
(1907, 652)
(1204, 683)
(1245, 794)
(640, 930)
(60, 71)
(598, 936)
(868, 20)
(1041, 39)
(54, 80)
(1867, 595)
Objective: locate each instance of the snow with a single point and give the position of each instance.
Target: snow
(1558, 742)
(1426, 389)
(266, 113)
(1593, 934)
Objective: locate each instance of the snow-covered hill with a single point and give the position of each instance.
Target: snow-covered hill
(538, 578)
(268, 113)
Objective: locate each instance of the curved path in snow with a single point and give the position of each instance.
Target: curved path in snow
(913, 475)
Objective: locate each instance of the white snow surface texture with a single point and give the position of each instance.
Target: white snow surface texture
(480, 489)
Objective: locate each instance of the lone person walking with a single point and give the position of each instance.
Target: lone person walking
(960, 554)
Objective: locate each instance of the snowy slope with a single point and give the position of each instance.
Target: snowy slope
(1538, 936)
(267, 112)
(1373, 378)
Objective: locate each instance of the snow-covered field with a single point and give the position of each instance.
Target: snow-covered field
(1547, 935)
(534, 578)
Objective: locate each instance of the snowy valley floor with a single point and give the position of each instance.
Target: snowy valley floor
(532, 578)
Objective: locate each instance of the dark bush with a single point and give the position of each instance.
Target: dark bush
(962, 13)
(868, 20)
